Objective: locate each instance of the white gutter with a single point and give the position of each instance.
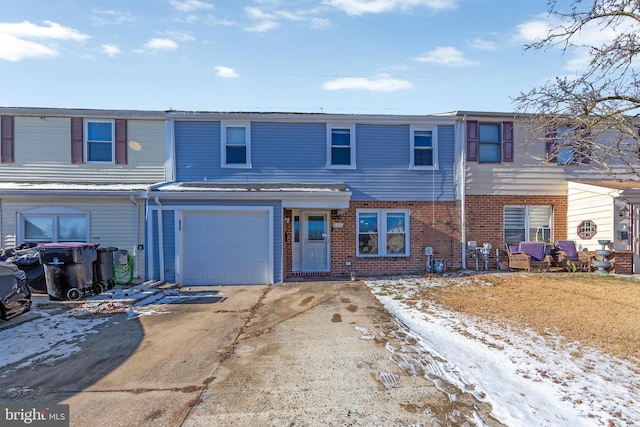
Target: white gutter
(160, 239)
(169, 150)
(136, 232)
(463, 187)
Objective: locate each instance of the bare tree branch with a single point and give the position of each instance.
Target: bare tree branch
(598, 109)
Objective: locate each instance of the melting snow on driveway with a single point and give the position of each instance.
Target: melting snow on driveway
(529, 380)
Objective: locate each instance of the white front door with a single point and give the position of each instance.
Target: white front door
(315, 241)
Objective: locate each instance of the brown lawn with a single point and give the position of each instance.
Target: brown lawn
(598, 311)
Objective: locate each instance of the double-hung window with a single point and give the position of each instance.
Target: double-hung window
(489, 142)
(99, 141)
(382, 232)
(563, 149)
(236, 145)
(341, 150)
(525, 223)
(424, 148)
(53, 225)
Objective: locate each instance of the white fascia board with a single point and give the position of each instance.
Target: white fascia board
(289, 199)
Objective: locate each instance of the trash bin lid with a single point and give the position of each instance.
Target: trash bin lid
(67, 245)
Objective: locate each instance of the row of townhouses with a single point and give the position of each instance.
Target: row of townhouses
(244, 198)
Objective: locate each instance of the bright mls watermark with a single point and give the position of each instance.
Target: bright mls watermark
(34, 415)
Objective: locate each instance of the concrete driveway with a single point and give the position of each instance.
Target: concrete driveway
(314, 353)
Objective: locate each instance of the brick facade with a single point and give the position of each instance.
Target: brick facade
(431, 224)
(484, 218)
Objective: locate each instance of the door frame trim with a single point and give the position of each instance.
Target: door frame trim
(304, 213)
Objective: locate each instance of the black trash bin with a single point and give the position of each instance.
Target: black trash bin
(103, 272)
(68, 269)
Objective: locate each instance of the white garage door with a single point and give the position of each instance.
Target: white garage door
(226, 248)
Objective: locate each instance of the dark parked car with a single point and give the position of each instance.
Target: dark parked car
(15, 297)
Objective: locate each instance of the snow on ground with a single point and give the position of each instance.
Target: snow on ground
(55, 335)
(528, 379)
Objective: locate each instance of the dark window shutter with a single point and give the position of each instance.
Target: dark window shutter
(121, 142)
(77, 140)
(551, 145)
(472, 140)
(7, 139)
(507, 141)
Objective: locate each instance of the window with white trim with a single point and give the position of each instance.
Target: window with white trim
(382, 232)
(527, 223)
(236, 145)
(424, 148)
(53, 225)
(341, 147)
(99, 141)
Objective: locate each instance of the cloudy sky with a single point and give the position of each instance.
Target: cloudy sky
(335, 56)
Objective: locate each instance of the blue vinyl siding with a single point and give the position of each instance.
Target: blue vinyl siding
(297, 152)
(168, 224)
(201, 154)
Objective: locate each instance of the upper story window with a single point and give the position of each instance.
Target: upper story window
(53, 226)
(236, 145)
(382, 232)
(341, 147)
(424, 148)
(562, 147)
(99, 141)
(490, 142)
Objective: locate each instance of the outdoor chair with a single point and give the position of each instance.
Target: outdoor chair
(528, 256)
(570, 259)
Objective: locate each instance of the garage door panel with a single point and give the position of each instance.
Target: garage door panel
(226, 247)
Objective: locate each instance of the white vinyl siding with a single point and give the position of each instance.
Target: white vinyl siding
(43, 153)
(529, 174)
(112, 223)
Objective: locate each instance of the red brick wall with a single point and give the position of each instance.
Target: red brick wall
(431, 224)
(484, 215)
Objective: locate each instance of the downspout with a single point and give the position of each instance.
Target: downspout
(160, 239)
(463, 188)
(136, 232)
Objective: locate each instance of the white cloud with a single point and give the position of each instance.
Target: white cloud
(160, 44)
(27, 40)
(533, 30)
(262, 27)
(226, 72)
(448, 56)
(266, 21)
(190, 5)
(379, 83)
(109, 16)
(180, 35)
(110, 49)
(481, 44)
(360, 7)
